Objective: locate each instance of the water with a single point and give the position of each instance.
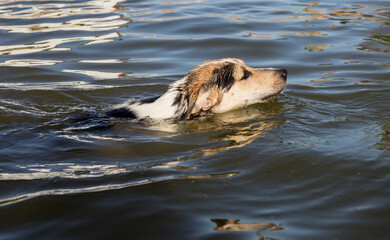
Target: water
(312, 164)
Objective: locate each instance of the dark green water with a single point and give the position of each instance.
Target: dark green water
(312, 164)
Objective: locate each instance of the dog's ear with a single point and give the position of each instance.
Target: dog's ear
(207, 99)
(223, 76)
(204, 87)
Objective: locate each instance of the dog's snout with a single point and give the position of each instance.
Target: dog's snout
(283, 74)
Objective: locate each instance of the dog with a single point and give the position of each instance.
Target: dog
(215, 86)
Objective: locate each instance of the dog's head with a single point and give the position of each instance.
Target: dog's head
(226, 84)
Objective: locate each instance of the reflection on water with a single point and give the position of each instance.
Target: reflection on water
(47, 9)
(89, 24)
(58, 12)
(28, 62)
(53, 44)
(377, 43)
(360, 12)
(216, 175)
(98, 75)
(70, 191)
(235, 225)
(84, 85)
(62, 170)
(316, 48)
(240, 136)
(237, 128)
(384, 143)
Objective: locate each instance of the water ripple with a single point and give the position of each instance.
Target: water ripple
(54, 10)
(319, 152)
(59, 191)
(54, 44)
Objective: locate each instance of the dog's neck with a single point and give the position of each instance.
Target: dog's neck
(171, 105)
(161, 108)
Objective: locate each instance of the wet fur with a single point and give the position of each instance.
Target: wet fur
(203, 89)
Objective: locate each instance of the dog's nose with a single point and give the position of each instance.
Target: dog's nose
(283, 74)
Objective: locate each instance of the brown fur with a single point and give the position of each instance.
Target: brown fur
(205, 86)
(214, 86)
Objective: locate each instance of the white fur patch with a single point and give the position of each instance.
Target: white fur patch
(160, 109)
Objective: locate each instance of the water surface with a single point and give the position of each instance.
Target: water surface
(312, 164)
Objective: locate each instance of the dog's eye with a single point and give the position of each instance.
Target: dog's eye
(247, 74)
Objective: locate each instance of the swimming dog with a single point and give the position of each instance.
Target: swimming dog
(213, 87)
